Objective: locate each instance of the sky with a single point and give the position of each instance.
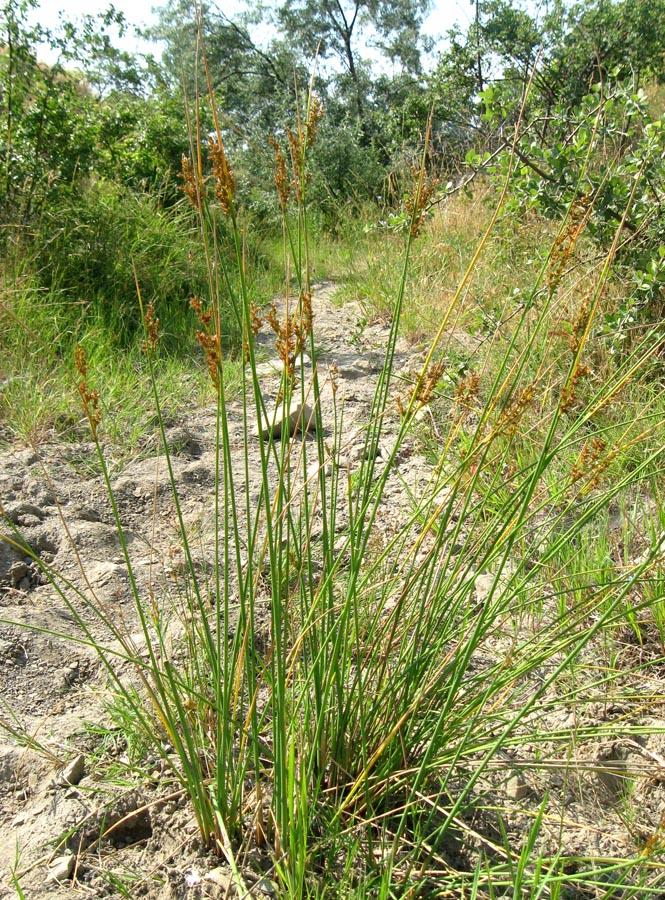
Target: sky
(139, 13)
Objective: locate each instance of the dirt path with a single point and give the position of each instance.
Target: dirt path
(52, 685)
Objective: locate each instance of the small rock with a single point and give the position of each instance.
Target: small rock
(299, 417)
(220, 877)
(271, 368)
(612, 770)
(443, 497)
(26, 457)
(9, 763)
(72, 773)
(516, 787)
(18, 572)
(275, 367)
(69, 676)
(61, 868)
(313, 470)
(266, 886)
(29, 521)
(352, 371)
(483, 586)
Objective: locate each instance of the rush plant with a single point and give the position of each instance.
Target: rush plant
(364, 744)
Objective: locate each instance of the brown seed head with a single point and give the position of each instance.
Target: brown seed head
(255, 318)
(565, 244)
(419, 200)
(306, 316)
(210, 343)
(334, 378)
(313, 119)
(190, 185)
(89, 399)
(468, 391)
(204, 317)
(281, 175)
(512, 415)
(568, 394)
(296, 151)
(151, 324)
(426, 384)
(225, 185)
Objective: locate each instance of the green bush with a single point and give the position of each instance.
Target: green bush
(100, 239)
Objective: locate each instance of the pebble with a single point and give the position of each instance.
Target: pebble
(298, 415)
(61, 868)
(72, 773)
(220, 877)
(86, 514)
(18, 572)
(266, 886)
(516, 787)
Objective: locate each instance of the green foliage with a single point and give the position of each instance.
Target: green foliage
(621, 39)
(59, 125)
(367, 734)
(98, 240)
(607, 156)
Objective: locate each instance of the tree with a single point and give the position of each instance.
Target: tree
(253, 84)
(332, 29)
(625, 39)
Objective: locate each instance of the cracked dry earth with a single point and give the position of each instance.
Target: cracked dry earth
(56, 497)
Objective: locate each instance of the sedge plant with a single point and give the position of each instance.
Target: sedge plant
(363, 745)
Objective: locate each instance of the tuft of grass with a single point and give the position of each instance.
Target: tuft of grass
(352, 709)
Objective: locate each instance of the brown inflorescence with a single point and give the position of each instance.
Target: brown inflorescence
(512, 415)
(255, 318)
(293, 332)
(588, 459)
(314, 117)
(569, 395)
(295, 149)
(306, 316)
(90, 399)
(468, 391)
(417, 205)
(190, 185)
(580, 323)
(151, 323)
(334, 378)
(592, 463)
(281, 175)
(255, 323)
(566, 242)
(427, 382)
(208, 341)
(225, 184)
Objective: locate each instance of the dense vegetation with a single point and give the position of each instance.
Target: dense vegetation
(92, 145)
(506, 185)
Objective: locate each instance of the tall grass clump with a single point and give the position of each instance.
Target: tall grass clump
(364, 745)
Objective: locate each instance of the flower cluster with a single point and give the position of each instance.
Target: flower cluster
(209, 341)
(566, 242)
(225, 183)
(151, 324)
(90, 399)
(191, 184)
